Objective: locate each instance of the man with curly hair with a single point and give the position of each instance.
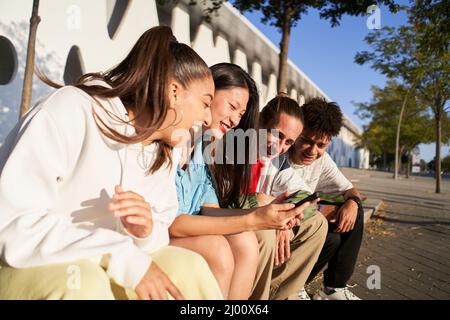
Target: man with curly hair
(312, 169)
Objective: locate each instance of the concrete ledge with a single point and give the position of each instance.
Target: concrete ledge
(371, 207)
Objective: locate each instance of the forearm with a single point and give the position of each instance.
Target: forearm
(188, 225)
(353, 192)
(221, 212)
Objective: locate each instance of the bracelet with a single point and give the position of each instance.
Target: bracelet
(356, 199)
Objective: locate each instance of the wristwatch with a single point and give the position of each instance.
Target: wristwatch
(356, 199)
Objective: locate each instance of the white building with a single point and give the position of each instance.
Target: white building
(78, 36)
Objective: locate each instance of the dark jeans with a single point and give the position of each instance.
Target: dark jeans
(340, 251)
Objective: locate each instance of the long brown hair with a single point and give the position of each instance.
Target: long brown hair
(233, 179)
(141, 82)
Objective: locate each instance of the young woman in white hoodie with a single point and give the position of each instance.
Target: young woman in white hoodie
(87, 189)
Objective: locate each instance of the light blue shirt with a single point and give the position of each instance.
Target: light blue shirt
(194, 185)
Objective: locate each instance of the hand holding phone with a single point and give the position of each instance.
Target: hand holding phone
(309, 198)
(309, 211)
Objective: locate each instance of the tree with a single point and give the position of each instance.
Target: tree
(430, 20)
(47, 62)
(396, 63)
(417, 54)
(285, 14)
(423, 165)
(29, 67)
(380, 134)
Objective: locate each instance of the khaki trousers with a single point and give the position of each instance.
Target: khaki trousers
(284, 281)
(187, 270)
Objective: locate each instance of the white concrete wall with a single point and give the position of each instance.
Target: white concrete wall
(84, 24)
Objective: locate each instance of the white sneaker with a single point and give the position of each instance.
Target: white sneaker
(303, 295)
(335, 294)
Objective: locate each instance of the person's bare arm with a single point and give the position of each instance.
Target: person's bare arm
(276, 215)
(186, 225)
(353, 192)
(214, 210)
(223, 212)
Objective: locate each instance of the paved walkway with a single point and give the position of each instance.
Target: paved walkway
(409, 239)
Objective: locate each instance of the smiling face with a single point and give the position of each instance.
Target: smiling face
(227, 108)
(309, 147)
(283, 135)
(190, 107)
(195, 104)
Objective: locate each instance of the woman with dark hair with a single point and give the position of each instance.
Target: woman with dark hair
(80, 199)
(232, 82)
(226, 240)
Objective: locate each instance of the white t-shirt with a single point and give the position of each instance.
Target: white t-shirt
(322, 175)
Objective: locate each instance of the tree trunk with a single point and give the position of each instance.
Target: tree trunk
(29, 67)
(284, 49)
(397, 139)
(384, 161)
(399, 163)
(438, 119)
(408, 168)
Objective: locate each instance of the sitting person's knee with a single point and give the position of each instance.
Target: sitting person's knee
(251, 249)
(246, 246)
(246, 242)
(251, 244)
(223, 256)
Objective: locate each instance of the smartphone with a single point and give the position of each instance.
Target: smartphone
(311, 197)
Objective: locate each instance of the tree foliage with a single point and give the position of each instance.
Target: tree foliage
(383, 112)
(418, 55)
(285, 14)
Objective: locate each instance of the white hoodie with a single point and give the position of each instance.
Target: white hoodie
(57, 176)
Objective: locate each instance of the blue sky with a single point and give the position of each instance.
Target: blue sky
(326, 55)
